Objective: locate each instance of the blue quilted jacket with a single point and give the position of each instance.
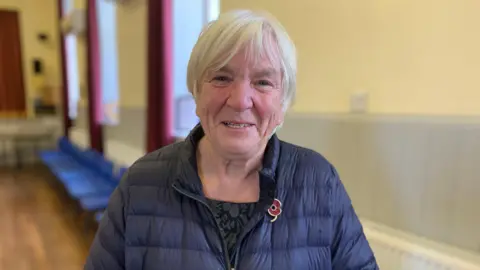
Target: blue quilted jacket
(158, 218)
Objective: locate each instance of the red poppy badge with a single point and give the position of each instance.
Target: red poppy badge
(275, 210)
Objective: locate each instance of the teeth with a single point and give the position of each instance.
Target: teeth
(232, 125)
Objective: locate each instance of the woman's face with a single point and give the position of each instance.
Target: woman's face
(240, 105)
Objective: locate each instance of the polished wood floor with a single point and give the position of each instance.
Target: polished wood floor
(36, 232)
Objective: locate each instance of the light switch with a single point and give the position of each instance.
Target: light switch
(359, 102)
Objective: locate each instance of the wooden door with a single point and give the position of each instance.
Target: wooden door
(12, 92)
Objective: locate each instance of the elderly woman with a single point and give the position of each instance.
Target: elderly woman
(232, 195)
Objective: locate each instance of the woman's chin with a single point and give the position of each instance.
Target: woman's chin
(237, 146)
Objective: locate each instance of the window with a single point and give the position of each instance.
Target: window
(107, 31)
(71, 55)
(189, 18)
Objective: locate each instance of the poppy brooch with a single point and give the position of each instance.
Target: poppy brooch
(275, 209)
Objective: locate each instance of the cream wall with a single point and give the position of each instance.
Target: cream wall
(412, 57)
(415, 174)
(37, 16)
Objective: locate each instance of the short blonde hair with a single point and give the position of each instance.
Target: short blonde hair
(232, 31)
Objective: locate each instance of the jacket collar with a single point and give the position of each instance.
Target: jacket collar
(188, 171)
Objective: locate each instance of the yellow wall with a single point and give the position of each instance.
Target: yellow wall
(132, 52)
(412, 57)
(416, 57)
(37, 16)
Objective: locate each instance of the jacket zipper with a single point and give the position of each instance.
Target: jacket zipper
(265, 204)
(251, 225)
(224, 245)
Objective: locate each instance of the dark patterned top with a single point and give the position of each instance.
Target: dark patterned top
(232, 217)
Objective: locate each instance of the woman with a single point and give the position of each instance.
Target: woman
(232, 195)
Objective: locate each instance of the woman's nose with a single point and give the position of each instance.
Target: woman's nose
(240, 98)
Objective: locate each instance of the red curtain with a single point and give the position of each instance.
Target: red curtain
(93, 78)
(160, 88)
(67, 123)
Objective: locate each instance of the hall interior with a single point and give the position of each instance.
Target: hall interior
(387, 92)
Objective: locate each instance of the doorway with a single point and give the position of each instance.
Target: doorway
(12, 91)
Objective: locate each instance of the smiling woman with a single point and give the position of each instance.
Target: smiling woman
(233, 195)
(226, 102)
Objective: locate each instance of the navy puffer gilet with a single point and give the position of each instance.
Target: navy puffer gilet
(158, 218)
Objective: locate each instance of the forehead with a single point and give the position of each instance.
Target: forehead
(239, 66)
(264, 61)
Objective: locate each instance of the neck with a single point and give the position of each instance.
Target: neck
(223, 167)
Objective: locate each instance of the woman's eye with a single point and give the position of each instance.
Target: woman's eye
(221, 79)
(264, 83)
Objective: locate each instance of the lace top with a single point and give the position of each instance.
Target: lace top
(232, 217)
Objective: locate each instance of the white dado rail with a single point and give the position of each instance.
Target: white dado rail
(396, 250)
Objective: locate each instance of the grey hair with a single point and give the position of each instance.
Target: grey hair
(221, 39)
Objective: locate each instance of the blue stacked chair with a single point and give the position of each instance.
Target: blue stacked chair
(100, 201)
(86, 175)
(59, 157)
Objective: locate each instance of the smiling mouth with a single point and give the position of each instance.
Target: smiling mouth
(236, 125)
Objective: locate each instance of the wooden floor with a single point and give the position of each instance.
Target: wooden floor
(36, 232)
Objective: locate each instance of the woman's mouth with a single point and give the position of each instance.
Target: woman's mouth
(236, 125)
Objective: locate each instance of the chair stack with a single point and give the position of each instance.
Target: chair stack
(86, 177)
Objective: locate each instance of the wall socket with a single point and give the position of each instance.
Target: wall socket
(359, 102)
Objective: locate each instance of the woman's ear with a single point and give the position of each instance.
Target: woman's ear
(280, 117)
(195, 98)
(276, 129)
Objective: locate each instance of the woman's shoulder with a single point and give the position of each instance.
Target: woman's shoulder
(300, 155)
(306, 166)
(153, 167)
(169, 152)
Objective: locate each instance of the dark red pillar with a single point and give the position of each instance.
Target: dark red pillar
(160, 87)
(93, 78)
(67, 123)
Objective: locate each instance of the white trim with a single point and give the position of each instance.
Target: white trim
(400, 250)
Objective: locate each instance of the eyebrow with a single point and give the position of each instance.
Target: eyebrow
(266, 72)
(225, 69)
(258, 73)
